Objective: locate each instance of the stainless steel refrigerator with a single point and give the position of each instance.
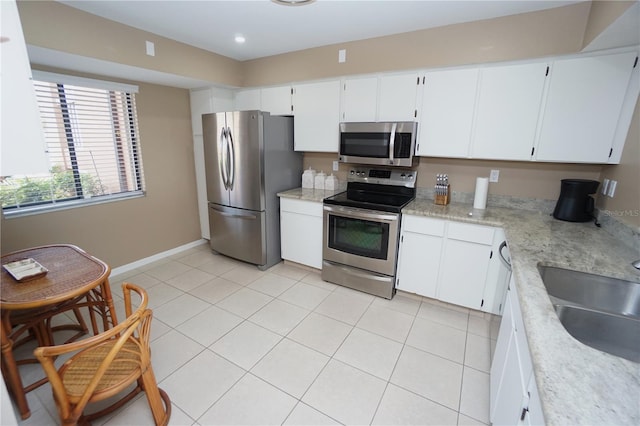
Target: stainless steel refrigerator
(249, 158)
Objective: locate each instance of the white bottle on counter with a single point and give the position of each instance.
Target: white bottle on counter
(319, 182)
(331, 182)
(308, 178)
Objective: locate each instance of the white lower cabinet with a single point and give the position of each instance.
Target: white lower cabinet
(451, 261)
(514, 396)
(419, 258)
(301, 231)
(466, 256)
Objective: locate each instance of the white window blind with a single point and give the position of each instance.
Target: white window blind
(91, 135)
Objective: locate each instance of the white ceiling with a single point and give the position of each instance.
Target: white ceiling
(271, 29)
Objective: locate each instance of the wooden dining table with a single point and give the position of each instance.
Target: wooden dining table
(74, 279)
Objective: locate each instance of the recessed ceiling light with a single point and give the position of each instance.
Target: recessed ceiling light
(240, 39)
(293, 2)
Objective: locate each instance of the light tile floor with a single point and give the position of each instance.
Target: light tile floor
(235, 345)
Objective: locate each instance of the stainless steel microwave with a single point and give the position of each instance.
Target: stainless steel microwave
(382, 143)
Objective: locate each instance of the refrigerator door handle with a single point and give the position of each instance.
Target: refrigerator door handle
(232, 167)
(222, 156)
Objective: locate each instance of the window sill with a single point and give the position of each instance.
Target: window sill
(66, 205)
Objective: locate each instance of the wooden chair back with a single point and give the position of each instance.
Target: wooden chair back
(104, 365)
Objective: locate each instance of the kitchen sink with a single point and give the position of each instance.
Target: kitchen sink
(601, 312)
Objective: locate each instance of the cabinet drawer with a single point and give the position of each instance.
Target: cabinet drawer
(424, 225)
(471, 233)
(309, 208)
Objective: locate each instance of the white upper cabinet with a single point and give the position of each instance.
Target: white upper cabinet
(507, 109)
(276, 100)
(247, 100)
(316, 108)
(446, 113)
(583, 108)
(397, 97)
(23, 147)
(387, 97)
(359, 99)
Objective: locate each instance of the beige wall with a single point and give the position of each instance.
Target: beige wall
(56, 26)
(625, 205)
(529, 35)
(519, 179)
(124, 231)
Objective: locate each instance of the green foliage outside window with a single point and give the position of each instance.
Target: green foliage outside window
(60, 185)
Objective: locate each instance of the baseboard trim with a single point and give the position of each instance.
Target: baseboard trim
(159, 256)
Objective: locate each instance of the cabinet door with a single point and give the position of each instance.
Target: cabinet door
(419, 263)
(498, 363)
(247, 100)
(317, 111)
(507, 111)
(301, 234)
(276, 100)
(397, 97)
(446, 114)
(583, 107)
(359, 99)
(463, 273)
(511, 395)
(201, 103)
(534, 415)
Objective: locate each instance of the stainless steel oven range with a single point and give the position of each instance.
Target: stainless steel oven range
(361, 229)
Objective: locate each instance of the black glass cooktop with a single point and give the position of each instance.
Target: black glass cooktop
(373, 197)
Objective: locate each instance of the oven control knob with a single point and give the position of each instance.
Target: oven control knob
(410, 176)
(402, 176)
(352, 172)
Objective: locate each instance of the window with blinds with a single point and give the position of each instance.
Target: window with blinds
(91, 136)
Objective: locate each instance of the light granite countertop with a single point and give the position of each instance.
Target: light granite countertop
(309, 194)
(577, 384)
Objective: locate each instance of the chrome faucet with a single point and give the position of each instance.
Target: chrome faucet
(636, 264)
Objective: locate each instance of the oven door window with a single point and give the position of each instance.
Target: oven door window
(374, 145)
(359, 237)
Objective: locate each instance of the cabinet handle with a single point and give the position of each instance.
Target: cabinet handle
(524, 413)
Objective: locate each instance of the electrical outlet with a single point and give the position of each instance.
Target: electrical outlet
(342, 55)
(612, 188)
(605, 187)
(336, 166)
(494, 176)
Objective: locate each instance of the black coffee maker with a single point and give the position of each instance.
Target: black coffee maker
(575, 203)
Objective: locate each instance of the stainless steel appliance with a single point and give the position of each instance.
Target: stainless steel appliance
(362, 227)
(249, 157)
(378, 144)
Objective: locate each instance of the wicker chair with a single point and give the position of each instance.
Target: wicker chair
(105, 365)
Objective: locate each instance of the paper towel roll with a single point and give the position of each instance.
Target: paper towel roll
(482, 189)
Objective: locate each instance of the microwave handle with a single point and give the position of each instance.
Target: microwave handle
(392, 141)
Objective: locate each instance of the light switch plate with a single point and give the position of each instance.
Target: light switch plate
(151, 48)
(336, 166)
(494, 176)
(342, 55)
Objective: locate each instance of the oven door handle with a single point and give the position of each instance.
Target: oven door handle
(361, 214)
(369, 276)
